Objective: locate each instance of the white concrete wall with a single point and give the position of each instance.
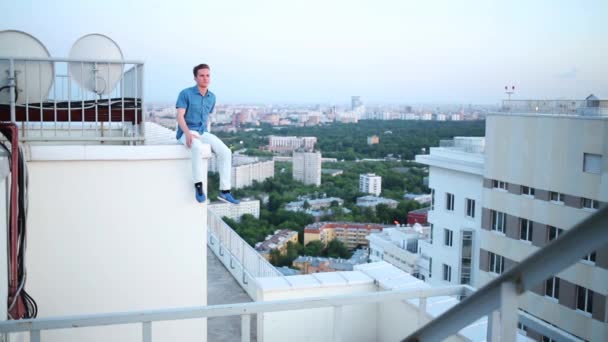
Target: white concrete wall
(538, 144)
(359, 321)
(463, 185)
(114, 229)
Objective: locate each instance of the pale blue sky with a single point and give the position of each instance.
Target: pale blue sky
(325, 51)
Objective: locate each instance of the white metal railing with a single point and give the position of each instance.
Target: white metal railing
(502, 293)
(62, 99)
(230, 242)
(557, 107)
(244, 310)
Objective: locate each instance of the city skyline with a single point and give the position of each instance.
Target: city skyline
(400, 52)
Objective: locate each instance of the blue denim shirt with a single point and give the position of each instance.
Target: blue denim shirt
(197, 109)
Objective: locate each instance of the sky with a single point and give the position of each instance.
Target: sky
(324, 51)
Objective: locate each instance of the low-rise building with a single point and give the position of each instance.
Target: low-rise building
(420, 198)
(313, 204)
(418, 216)
(308, 264)
(372, 201)
(350, 233)
(399, 247)
(278, 240)
(236, 211)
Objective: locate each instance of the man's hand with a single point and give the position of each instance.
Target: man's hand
(189, 137)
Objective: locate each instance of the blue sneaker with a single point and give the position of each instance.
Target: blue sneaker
(198, 192)
(227, 197)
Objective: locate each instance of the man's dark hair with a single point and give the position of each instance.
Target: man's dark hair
(199, 67)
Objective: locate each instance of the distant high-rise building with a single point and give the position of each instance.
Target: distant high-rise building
(307, 167)
(355, 101)
(370, 184)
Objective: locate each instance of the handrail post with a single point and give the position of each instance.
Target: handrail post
(508, 312)
(245, 328)
(146, 328)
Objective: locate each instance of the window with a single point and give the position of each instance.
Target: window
(590, 257)
(592, 163)
(552, 287)
(526, 190)
(584, 299)
(447, 237)
(430, 267)
(556, 196)
(447, 272)
(498, 221)
(470, 208)
(431, 233)
(522, 328)
(553, 233)
(449, 201)
(432, 199)
(589, 203)
(525, 230)
(499, 185)
(497, 263)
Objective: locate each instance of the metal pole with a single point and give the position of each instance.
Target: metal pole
(11, 84)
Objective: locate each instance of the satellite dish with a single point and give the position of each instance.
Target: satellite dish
(100, 78)
(33, 78)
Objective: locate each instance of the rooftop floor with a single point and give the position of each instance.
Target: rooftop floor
(223, 289)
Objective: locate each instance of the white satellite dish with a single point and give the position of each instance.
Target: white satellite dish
(33, 78)
(100, 78)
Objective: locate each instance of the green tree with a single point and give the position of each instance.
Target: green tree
(314, 248)
(337, 249)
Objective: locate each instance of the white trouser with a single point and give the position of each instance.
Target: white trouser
(223, 153)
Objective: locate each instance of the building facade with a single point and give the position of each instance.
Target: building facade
(307, 167)
(350, 233)
(370, 184)
(236, 211)
(455, 177)
(291, 143)
(544, 173)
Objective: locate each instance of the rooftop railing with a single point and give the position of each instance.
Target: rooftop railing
(69, 100)
(252, 263)
(244, 310)
(557, 107)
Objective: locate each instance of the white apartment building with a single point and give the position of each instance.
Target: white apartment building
(236, 211)
(455, 177)
(307, 167)
(544, 173)
(370, 184)
(290, 143)
(246, 169)
(398, 247)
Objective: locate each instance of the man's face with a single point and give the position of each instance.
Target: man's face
(203, 78)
